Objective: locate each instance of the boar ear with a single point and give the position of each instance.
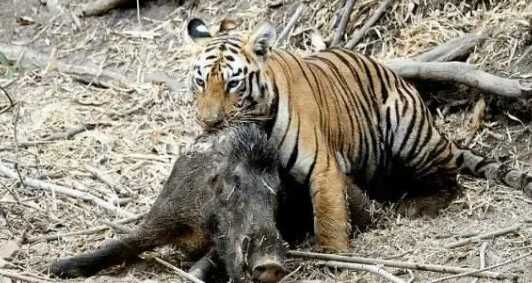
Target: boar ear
(261, 40)
(197, 30)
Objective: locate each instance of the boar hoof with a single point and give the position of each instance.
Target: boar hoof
(268, 272)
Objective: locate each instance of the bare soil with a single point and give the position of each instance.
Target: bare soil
(137, 149)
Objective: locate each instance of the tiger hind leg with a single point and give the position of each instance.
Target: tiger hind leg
(431, 195)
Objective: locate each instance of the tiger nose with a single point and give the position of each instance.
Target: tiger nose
(212, 119)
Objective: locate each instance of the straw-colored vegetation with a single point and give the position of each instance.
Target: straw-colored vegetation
(110, 141)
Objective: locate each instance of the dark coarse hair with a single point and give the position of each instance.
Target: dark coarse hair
(249, 143)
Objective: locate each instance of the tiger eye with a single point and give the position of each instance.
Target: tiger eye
(200, 82)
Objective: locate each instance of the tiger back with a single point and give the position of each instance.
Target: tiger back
(344, 125)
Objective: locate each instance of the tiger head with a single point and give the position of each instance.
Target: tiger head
(228, 75)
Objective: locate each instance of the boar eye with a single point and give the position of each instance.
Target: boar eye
(236, 179)
(200, 82)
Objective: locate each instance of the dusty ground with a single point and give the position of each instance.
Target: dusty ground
(140, 132)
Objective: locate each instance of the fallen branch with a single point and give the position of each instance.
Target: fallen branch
(38, 184)
(291, 23)
(28, 58)
(363, 267)
(84, 232)
(359, 34)
(340, 29)
(402, 264)
(100, 7)
(451, 50)
(473, 272)
(492, 234)
(17, 276)
(170, 266)
(462, 73)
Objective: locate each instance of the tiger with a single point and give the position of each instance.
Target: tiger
(345, 126)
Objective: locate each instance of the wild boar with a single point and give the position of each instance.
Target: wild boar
(222, 195)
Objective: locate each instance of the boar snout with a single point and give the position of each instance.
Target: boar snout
(268, 270)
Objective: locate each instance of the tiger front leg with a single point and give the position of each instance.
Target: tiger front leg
(331, 215)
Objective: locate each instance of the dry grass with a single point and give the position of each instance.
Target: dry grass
(137, 150)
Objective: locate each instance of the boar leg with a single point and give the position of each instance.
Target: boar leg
(202, 267)
(113, 253)
(359, 206)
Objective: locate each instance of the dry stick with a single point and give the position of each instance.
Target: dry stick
(177, 270)
(363, 267)
(291, 23)
(84, 232)
(474, 272)
(57, 137)
(359, 34)
(138, 13)
(88, 74)
(65, 191)
(400, 264)
(482, 252)
(492, 234)
(340, 30)
(71, 133)
(99, 7)
(106, 179)
(11, 104)
(13, 275)
(452, 49)
(462, 73)
(29, 58)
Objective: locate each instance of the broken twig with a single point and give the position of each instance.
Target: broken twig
(473, 272)
(38, 184)
(106, 179)
(363, 267)
(359, 34)
(340, 29)
(492, 234)
(11, 103)
(17, 276)
(84, 232)
(482, 252)
(291, 23)
(170, 266)
(86, 73)
(401, 264)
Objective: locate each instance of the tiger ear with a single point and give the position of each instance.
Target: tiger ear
(197, 30)
(227, 25)
(262, 39)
